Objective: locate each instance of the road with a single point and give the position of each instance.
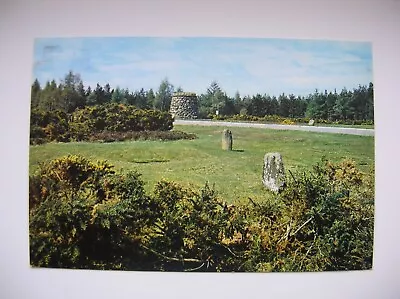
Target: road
(336, 130)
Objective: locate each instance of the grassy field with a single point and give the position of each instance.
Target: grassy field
(236, 174)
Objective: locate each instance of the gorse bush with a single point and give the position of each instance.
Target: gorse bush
(88, 122)
(336, 204)
(287, 122)
(48, 125)
(118, 118)
(84, 214)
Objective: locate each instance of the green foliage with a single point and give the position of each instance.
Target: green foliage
(48, 125)
(70, 173)
(190, 228)
(84, 215)
(355, 105)
(66, 96)
(163, 97)
(118, 118)
(118, 96)
(337, 208)
(215, 100)
(288, 120)
(35, 94)
(72, 92)
(84, 124)
(194, 160)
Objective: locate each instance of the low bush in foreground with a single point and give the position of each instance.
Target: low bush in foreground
(84, 214)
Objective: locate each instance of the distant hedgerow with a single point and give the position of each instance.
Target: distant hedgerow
(287, 120)
(114, 117)
(86, 123)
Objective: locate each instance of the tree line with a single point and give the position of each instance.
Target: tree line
(70, 94)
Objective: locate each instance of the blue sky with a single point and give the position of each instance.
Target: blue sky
(250, 66)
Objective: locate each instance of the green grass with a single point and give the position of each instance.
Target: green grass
(236, 174)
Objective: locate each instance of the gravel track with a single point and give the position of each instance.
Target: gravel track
(335, 130)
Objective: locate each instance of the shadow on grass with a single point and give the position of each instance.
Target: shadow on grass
(238, 150)
(149, 161)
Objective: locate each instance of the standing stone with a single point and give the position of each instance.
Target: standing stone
(311, 122)
(273, 172)
(227, 140)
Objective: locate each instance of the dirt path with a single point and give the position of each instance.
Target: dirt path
(336, 130)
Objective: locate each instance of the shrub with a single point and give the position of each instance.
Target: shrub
(67, 173)
(338, 213)
(190, 229)
(244, 117)
(118, 118)
(48, 126)
(273, 118)
(83, 123)
(287, 121)
(37, 135)
(85, 215)
(291, 121)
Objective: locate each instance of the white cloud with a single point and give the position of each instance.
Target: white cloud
(252, 67)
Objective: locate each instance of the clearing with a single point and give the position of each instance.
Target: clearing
(236, 174)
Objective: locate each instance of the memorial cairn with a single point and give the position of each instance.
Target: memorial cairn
(184, 105)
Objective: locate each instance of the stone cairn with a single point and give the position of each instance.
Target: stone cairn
(184, 105)
(227, 140)
(274, 177)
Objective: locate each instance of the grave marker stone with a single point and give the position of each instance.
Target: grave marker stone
(274, 177)
(227, 140)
